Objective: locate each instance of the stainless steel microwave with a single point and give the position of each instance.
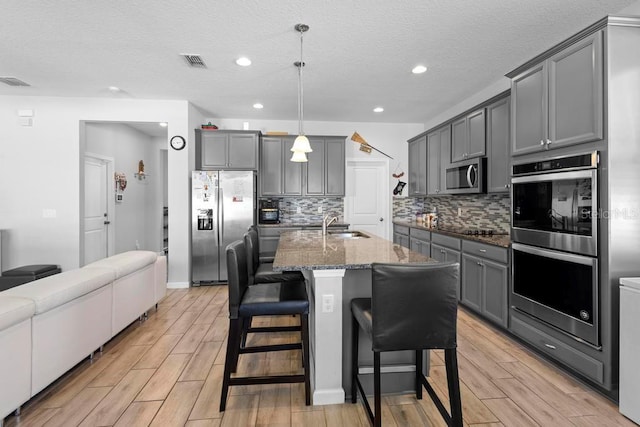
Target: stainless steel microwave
(467, 177)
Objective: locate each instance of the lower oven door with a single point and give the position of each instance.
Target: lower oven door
(558, 288)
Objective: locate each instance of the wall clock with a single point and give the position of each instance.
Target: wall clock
(177, 142)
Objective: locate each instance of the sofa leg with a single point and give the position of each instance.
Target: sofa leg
(101, 348)
(91, 356)
(17, 411)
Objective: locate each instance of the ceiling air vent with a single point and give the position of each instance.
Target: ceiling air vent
(194, 60)
(12, 81)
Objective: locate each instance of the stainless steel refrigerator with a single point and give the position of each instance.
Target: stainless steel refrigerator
(222, 209)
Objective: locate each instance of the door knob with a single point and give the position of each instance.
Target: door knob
(381, 219)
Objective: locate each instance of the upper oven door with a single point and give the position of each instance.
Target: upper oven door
(556, 210)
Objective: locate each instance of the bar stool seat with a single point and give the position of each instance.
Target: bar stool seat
(413, 307)
(268, 299)
(271, 299)
(262, 272)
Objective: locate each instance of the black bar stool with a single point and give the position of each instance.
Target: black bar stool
(413, 307)
(262, 272)
(268, 299)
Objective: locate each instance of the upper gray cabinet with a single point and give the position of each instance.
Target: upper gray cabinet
(222, 149)
(322, 175)
(418, 166)
(438, 149)
(498, 146)
(278, 175)
(559, 101)
(468, 136)
(325, 170)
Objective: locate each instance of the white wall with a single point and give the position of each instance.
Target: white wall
(391, 138)
(632, 9)
(136, 217)
(41, 166)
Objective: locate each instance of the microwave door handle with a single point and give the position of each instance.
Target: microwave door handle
(469, 181)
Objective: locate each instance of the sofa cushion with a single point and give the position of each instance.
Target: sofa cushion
(126, 263)
(14, 310)
(53, 291)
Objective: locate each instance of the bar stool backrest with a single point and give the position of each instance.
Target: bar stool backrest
(253, 249)
(414, 306)
(238, 276)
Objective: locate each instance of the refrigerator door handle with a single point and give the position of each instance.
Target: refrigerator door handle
(221, 205)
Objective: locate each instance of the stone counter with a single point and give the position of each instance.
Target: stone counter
(310, 250)
(502, 240)
(304, 225)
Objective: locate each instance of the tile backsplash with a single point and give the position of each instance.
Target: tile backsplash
(477, 211)
(309, 209)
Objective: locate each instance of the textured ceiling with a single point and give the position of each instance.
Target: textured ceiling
(358, 53)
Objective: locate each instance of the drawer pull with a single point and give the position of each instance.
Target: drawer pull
(552, 347)
(483, 250)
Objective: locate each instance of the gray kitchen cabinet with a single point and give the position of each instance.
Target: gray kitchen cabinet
(223, 149)
(438, 152)
(559, 101)
(418, 166)
(446, 249)
(498, 146)
(401, 235)
(468, 136)
(278, 175)
(420, 241)
(316, 167)
(485, 280)
(334, 166)
(324, 173)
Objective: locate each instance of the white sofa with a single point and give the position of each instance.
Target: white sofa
(71, 315)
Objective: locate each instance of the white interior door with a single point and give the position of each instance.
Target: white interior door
(96, 209)
(367, 198)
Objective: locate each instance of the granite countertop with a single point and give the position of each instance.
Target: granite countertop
(310, 250)
(308, 224)
(503, 240)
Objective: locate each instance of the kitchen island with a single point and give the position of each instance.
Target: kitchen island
(337, 267)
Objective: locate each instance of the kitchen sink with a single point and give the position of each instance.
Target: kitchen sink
(341, 234)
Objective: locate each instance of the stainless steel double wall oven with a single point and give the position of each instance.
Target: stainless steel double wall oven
(554, 220)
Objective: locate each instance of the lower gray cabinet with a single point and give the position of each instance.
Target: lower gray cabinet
(401, 235)
(420, 241)
(485, 280)
(446, 249)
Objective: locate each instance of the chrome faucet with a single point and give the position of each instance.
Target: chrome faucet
(326, 222)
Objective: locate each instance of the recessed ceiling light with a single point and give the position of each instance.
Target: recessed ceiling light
(258, 106)
(243, 61)
(378, 110)
(163, 124)
(114, 89)
(419, 69)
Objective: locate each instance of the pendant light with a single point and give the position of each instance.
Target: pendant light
(301, 144)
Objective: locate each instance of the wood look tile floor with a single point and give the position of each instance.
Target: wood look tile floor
(167, 371)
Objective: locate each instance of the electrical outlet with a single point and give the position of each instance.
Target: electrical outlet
(327, 303)
(298, 209)
(319, 209)
(459, 211)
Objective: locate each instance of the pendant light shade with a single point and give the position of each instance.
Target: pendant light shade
(299, 156)
(301, 144)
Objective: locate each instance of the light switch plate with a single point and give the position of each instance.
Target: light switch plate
(327, 303)
(319, 209)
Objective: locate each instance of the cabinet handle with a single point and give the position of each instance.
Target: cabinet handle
(506, 186)
(442, 251)
(552, 347)
(542, 142)
(479, 263)
(482, 250)
(548, 141)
